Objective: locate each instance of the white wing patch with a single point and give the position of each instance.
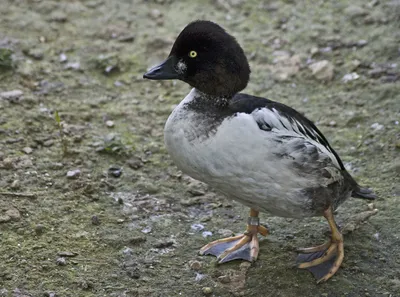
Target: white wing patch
(282, 125)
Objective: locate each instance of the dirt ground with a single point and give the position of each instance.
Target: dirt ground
(92, 205)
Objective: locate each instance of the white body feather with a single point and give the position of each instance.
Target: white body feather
(240, 160)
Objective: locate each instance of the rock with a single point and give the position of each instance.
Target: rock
(67, 254)
(72, 66)
(197, 227)
(206, 234)
(4, 219)
(115, 171)
(73, 174)
(39, 229)
(285, 66)
(95, 220)
(11, 95)
(135, 163)
(195, 265)
(63, 58)
(354, 11)
(349, 77)
(15, 184)
(36, 53)
(225, 232)
(13, 213)
(110, 124)
(207, 290)
(322, 70)
(61, 261)
(161, 244)
(58, 16)
(377, 126)
(27, 150)
(224, 279)
(127, 38)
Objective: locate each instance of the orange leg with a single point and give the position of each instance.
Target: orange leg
(244, 246)
(332, 248)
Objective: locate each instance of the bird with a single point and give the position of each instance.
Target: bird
(258, 152)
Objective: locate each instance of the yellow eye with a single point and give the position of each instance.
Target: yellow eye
(193, 54)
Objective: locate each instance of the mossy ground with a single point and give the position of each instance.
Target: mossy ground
(132, 235)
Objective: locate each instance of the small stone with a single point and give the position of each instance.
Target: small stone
(322, 70)
(224, 279)
(207, 290)
(354, 11)
(225, 232)
(127, 38)
(27, 150)
(110, 124)
(197, 227)
(95, 220)
(58, 16)
(161, 244)
(377, 126)
(371, 206)
(4, 219)
(61, 261)
(67, 254)
(15, 184)
(135, 163)
(63, 58)
(206, 234)
(332, 123)
(72, 66)
(195, 265)
(73, 174)
(39, 229)
(349, 77)
(36, 53)
(13, 213)
(115, 171)
(11, 95)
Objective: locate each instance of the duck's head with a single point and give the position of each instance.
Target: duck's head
(206, 57)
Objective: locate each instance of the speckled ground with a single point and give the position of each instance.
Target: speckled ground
(91, 205)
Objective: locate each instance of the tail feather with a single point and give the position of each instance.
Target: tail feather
(363, 193)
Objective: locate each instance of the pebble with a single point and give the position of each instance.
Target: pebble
(110, 124)
(163, 244)
(197, 227)
(377, 126)
(61, 261)
(195, 265)
(13, 213)
(95, 220)
(225, 232)
(349, 77)
(206, 234)
(58, 16)
(63, 58)
(135, 163)
(27, 150)
(354, 11)
(207, 290)
(322, 70)
(73, 174)
(72, 66)
(115, 171)
(39, 229)
(224, 279)
(11, 95)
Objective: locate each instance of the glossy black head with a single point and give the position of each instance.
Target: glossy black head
(207, 58)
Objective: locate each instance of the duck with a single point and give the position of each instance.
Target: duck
(258, 152)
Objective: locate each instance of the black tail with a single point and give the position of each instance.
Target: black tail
(363, 193)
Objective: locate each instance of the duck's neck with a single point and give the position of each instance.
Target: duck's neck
(211, 100)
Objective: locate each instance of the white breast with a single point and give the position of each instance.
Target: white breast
(238, 160)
